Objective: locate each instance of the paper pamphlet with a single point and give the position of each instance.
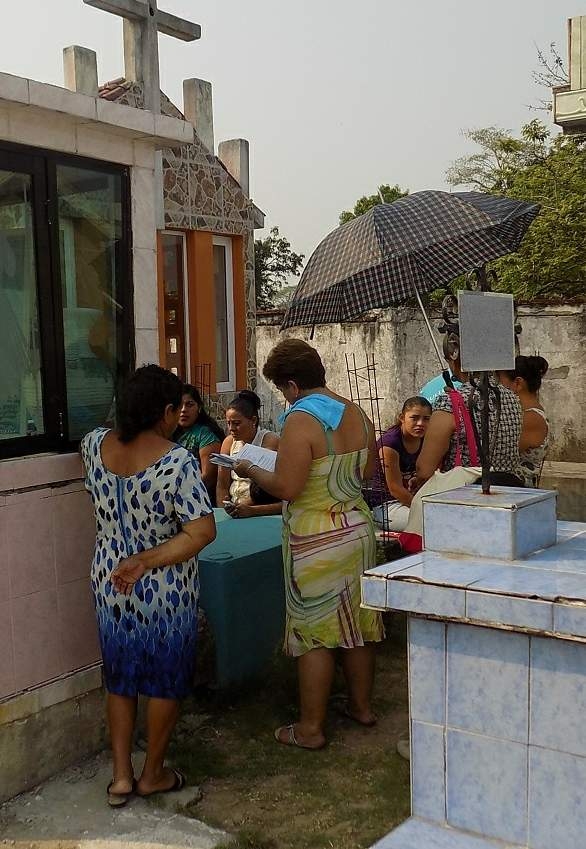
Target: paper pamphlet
(264, 458)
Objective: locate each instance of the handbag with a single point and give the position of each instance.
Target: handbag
(462, 418)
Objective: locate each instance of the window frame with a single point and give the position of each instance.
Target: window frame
(230, 384)
(170, 232)
(42, 165)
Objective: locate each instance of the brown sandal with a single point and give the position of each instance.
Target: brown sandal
(118, 800)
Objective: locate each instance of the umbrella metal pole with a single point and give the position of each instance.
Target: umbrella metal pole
(484, 432)
(429, 327)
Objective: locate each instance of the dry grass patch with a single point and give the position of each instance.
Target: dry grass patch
(273, 797)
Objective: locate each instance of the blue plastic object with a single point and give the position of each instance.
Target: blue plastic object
(243, 594)
(436, 386)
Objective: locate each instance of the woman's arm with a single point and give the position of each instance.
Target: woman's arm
(224, 479)
(436, 444)
(533, 432)
(209, 471)
(371, 462)
(246, 511)
(190, 540)
(271, 440)
(393, 477)
(293, 461)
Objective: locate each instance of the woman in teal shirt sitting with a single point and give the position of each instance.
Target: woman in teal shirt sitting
(200, 434)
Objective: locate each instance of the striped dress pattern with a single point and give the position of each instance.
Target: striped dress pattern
(328, 541)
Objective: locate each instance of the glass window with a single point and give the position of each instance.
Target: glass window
(65, 297)
(21, 394)
(90, 233)
(225, 361)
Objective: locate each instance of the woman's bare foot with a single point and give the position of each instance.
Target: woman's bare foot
(291, 735)
(169, 781)
(122, 786)
(361, 715)
(119, 792)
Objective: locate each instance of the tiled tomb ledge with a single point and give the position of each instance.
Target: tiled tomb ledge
(497, 679)
(543, 594)
(419, 834)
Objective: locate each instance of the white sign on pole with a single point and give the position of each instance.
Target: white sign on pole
(487, 331)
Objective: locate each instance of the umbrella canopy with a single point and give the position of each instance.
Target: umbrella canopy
(394, 250)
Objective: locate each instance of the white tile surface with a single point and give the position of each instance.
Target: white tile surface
(428, 777)
(488, 682)
(558, 695)
(570, 619)
(374, 592)
(508, 523)
(508, 610)
(427, 670)
(419, 598)
(557, 804)
(487, 786)
(418, 834)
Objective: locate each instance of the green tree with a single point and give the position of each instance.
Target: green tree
(274, 263)
(386, 194)
(552, 172)
(494, 166)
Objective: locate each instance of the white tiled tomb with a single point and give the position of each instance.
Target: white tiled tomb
(497, 675)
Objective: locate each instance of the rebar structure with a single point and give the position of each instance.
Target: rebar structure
(202, 380)
(363, 388)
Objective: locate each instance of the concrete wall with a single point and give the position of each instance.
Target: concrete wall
(47, 534)
(405, 360)
(50, 728)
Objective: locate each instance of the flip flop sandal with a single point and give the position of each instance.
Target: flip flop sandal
(178, 784)
(291, 739)
(118, 800)
(343, 709)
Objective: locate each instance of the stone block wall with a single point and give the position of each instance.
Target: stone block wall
(405, 360)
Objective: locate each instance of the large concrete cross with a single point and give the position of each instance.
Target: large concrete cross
(143, 21)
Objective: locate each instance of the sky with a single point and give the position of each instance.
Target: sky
(335, 97)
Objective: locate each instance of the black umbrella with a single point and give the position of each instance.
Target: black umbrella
(399, 250)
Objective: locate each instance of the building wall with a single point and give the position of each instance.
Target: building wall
(405, 360)
(200, 194)
(51, 699)
(46, 521)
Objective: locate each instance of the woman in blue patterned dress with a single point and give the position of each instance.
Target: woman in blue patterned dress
(153, 517)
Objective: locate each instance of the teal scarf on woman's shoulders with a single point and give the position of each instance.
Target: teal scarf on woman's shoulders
(326, 410)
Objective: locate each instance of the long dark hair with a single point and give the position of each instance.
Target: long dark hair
(203, 417)
(531, 369)
(143, 398)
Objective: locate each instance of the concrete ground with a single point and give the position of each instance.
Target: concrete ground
(70, 811)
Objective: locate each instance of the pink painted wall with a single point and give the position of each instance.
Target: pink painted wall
(47, 623)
